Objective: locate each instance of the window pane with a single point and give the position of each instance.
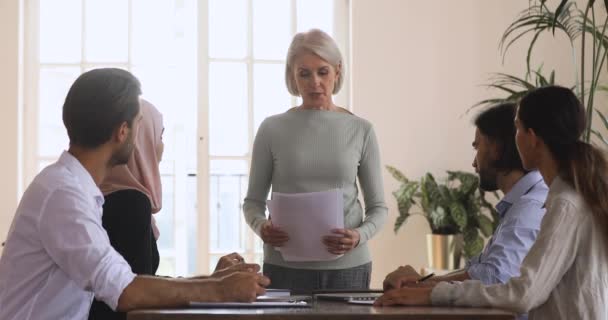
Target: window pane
(164, 32)
(173, 91)
(213, 262)
(54, 86)
(60, 31)
(228, 180)
(107, 30)
(227, 28)
(153, 31)
(271, 28)
(166, 266)
(228, 116)
(165, 217)
(270, 95)
(192, 222)
(100, 66)
(258, 244)
(317, 14)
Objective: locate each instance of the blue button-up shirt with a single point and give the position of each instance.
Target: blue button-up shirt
(521, 211)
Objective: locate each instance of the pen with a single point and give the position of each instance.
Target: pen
(425, 277)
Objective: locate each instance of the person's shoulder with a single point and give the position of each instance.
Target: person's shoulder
(360, 122)
(537, 194)
(127, 196)
(526, 213)
(128, 204)
(277, 120)
(55, 177)
(563, 198)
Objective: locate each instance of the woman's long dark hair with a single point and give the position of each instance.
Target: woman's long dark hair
(557, 116)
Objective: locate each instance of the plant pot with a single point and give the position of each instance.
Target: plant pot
(444, 251)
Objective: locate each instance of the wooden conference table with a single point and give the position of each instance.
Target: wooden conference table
(323, 310)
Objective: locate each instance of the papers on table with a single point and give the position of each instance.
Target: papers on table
(274, 298)
(277, 293)
(363, 301)
(255, 304)
(307, 218)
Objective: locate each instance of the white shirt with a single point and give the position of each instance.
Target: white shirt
(57, 254)
(564, 275)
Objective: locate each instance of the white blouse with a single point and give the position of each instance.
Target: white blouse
(564, 275)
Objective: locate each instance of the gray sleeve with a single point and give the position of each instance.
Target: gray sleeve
(372, 186)
(260, 177)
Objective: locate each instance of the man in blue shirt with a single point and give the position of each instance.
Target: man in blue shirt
(521, 209)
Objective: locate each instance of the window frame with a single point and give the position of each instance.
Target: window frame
(30, 128)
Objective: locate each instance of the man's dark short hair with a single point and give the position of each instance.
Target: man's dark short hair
(497, 123)
(98, 102)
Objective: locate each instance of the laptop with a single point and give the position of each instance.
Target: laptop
(349, 296)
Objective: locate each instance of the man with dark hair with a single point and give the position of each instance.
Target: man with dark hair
(521, 209)
(58, 256)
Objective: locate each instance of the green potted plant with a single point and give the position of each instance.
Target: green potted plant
(583, 31)
(455, 209)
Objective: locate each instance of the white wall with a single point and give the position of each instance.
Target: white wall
(9, 102)
(417, 67)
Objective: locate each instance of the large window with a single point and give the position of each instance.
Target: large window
(214, 69)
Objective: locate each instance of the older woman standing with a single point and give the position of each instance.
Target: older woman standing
(317, 146)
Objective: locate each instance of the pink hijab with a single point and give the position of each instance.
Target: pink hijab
(142, 172)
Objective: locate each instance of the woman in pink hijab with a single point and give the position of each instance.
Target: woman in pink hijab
(133, 192)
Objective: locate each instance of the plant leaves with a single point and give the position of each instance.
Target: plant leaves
(514, 86)
(430, 193)
(455, 205)
(538, 18)
(440, 221)
(398, 175)
(602, 116)
(558, 12)
(445, 196)
(405, 201)
(399, 222)
(468, 181)
(459, 215)
(599, 136)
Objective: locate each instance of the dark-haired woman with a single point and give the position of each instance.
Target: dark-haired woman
(565, 274)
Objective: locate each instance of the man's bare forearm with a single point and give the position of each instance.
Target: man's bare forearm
(149, 291)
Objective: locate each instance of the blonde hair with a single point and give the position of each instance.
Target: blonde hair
(319, 43)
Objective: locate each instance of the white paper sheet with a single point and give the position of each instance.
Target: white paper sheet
(307, 218)
(256, 304)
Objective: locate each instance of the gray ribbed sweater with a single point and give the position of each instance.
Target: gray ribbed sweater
(314, 150)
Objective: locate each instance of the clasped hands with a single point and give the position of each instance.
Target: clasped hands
(342, 240)
(237, 280)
